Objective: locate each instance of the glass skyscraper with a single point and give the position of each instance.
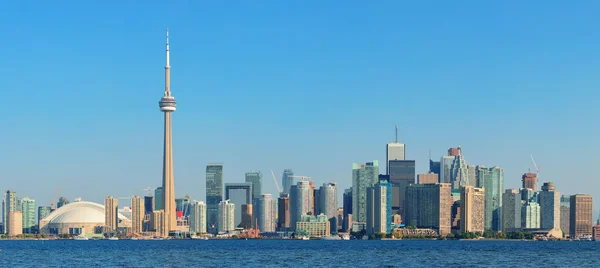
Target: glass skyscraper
(402, 174)
(43, 212)
(28, 210)
(363, 177)
(492, 180)
(287, 181)
(9, 204)
(256, 179)
(214, 195)
(159, 199)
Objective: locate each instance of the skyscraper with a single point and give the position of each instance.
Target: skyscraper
(530, 215)
(402, 174)
(459, 173)
(28, 210)
(255, 177)
(347, 199)
(379, 207)
(43, 211)
(492, 180)
(239, 194)
(111, 219)
(137, 214)
(301, 198)
(550, 206)
(394, 151)
(159, 198)
(167, 105)
(328, 203)
(511, 211)
(363, 176)
(15, 223)
(435, 167)
(9, 204)
(445, 167)
(198, 217)
(266, 215)
(429, 206)
(581, 215)
(287, 180)
(529, 181)
(565, 214)
(226, 214)
(472, 209)
(148, 204)
(283, 212)
(62, 201)
(214, 194)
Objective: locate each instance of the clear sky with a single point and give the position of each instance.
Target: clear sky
(309, 85)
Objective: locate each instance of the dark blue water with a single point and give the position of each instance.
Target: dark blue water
(296, 253)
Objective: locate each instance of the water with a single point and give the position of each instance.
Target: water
(295, 253)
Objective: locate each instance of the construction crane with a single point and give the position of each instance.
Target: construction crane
(301, 177)
(149, 190)
(275, 179)
(536, 167)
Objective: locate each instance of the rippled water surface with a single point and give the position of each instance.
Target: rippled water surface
(296, 253)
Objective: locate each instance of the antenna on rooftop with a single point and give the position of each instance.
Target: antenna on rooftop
(396, 132)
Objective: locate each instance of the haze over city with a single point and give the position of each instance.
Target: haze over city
(276, 85)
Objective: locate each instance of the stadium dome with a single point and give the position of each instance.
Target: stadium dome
(76, 217)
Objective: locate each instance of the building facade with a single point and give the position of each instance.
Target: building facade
(137, 214)
(255, 178)
(226, 217)
(283, 212)
(214, 195)
(111, 210)
(402, 173)
(15, 223)
(429, 178)
(266, 215)
(198, 217)
(511, 211)
(472, 209)
(379, 207)
(429, 206)
(530, 215)
(363, 177)
(328, 203)
(9, 204)
(492, 180)
(314, 226)
(347, 206)
(581, 216)
(239, 194)
(550, 206)
(43, 212)
(287, 180)
(28, 212)
(565, 214)
(529, 181)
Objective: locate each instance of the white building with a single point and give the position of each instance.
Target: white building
(226, 214)
(198, 217)
(266, 217)
(549, 206)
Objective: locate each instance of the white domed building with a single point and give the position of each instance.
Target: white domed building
(77, 218)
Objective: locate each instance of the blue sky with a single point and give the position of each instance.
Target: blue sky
(309, 85)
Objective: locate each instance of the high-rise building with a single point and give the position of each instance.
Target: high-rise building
(530, 215)
(158, 223)
(28, 213)
(328, 203)
(43, 212)
(550, 206)
(137, 214)
(429, 206)
(226, 215)
(347, 206)
(402, 173)
(9, 204)
(565, 214)
(247, 216)
(460, 175)
(511, 211)
(317, 199)
(492, 180)
(159, 198)
(430, 178)
(455, 216)
(168, 105)
(198, 217)
(435, 168)
(255, 177)
(239, 194)
(394, 151)
(182, 205)
(445, 167)
(287, 180)
(301, 198)
(283, 212)
(214, 194)
(266, 215)
(529, 181)
(581, 216)
(148, 205)
(15, 223)
(111, 213)
(472, 209)
(363, 176)
(379, 207)
(62, 201)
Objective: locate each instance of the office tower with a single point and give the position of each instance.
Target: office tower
(137, 214)
(472, 209)
(111, 219)
(459, 173)
(247, 216)
(379, 208)
(402, 174)
(198, 217)
(435, 167)
(565, 214)
(43, 212)
(429, 206)
(287, 180)
(226, 215)
(214, 194)
(239, 194)
(394, 151)
(492, 180)
(430, 178)
(529, 181)
(347, 206)
(530, 215)
(454, 151)
(28, 213)
(317, 200)
(445, 167)
(158, 220)
(328, 203)
(283, 212)
(266, 215)
(581, 216)
(511, 211)
(363, 176)
(159, 198)
(550, 206)
(255, 177)
(148, 204)
(300, 201)
(15, 223)
(62, 201)
(9, 204)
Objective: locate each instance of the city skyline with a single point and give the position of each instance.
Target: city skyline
(307, 142)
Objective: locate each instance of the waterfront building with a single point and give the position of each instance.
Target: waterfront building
(62, 201)
(198, 217)
(529, 181)
(266, 214)
(511, 211)
(427, 178)
(549, 206)
(239, 194)
(214, 194)
(28, 213)
(159, 198)
(402, 174)
(491, 179)
(472, 209)
(328, 203)
(226, 217)
(283, 212)
(287, 180)
(15, 223)
(394, 151)
(301, 200)
(581, 216)
(530, 215)
(77, 218)
(347, 206)
(9, 204)
(314, 226)
(435, 168)
(137, 214)
(363, 176)
(43, 212)
(158, 221)
(379, 206)
(565, 214)
(111, 210)
(255, 178)
(429, 206)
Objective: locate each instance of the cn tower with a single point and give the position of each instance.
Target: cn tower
(167, 105)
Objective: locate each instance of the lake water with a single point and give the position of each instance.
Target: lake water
(297, 253)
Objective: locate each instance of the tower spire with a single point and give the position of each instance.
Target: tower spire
(167, 49)
(396, 132)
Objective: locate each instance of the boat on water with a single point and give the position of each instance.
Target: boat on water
(113, 238)
(346, 237)
(80, 237)
(333, 237)
(304, 238)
